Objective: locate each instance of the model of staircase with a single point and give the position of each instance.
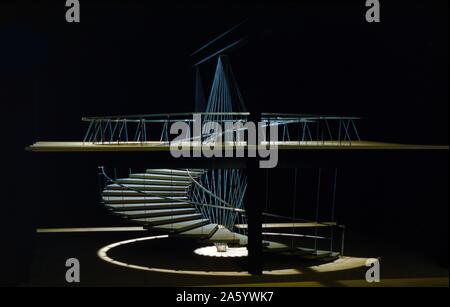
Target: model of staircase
(159, 199)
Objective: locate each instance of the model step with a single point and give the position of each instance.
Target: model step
(141, 199)
(310, 253)
(203, 232)
(148, 206)
(155, 213)
(181, 226)
(144, 187)
(155, 221)
(175, 172)
(275, 246)
(133, 193)
(225, 236)
(185, 179)
(140, 181)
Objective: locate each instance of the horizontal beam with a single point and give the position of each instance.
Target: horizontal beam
(195, 146)
(89, 229)
(160, 115)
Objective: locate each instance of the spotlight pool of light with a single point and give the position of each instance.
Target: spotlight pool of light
(212, 251)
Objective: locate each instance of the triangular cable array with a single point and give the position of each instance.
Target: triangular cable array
(225, 96)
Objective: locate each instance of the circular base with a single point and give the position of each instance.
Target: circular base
(159, 254)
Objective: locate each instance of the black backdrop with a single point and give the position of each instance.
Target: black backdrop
(310, 57)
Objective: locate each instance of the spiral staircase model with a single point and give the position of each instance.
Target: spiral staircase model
(159, 200)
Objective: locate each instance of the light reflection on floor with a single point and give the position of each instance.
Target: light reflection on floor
(211, 251)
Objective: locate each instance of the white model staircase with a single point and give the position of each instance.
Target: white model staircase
(159, 199)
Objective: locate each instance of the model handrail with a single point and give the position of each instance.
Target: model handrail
(307, 116)
(264, 116)
(161, 115)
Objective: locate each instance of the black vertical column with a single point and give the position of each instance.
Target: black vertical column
(254, 202)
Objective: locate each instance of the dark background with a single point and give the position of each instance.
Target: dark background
(127, 57)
